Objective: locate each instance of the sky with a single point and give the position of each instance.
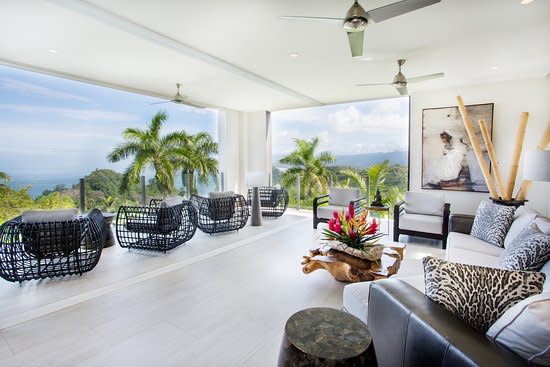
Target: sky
(58, 129)
(350, 128)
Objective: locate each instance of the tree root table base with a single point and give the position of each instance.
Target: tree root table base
(348, 268)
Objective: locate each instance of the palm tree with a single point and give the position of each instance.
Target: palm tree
(377, 174)
(4, 179)
(354, 178)
(149, 149)
(310, 167)
(195, 157)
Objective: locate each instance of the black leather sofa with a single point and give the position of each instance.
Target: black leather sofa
(410, 330)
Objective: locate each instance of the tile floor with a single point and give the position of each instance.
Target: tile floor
(219, 300)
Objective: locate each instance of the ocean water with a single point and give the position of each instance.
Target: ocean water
(39, 185)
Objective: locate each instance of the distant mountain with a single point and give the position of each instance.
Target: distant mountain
(362, 160)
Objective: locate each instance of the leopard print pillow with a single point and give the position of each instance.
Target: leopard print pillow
(476, 294)
(529, 251)
(492, 222)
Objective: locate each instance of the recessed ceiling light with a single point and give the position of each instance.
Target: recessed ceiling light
(525, 2)
(52, 51)
(293, 54)
(494, 67)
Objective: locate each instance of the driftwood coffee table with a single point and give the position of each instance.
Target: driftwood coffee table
(348, 268)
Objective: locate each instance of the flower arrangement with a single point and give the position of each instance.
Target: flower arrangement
(356, 232)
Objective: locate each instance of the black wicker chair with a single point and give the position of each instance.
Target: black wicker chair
(50, 249)
(221, 214)
(273, 201)
(155, 227)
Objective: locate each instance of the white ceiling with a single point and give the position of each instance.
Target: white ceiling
(110, 42)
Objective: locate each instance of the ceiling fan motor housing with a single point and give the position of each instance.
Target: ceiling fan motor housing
(356, 18)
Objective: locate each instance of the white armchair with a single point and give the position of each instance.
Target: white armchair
(337, 199)
(422, 214)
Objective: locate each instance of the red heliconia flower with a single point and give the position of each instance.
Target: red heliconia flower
(335, 214)
(348, 217)
(374, 225)
(352, 234)
(331, 224)
(351, 210)
(338, 228)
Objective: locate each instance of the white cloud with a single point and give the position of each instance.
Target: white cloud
(383, 117)
(358, 128)
(79, 114)
(28, 88)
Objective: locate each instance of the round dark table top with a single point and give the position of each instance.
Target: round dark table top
(328, 333)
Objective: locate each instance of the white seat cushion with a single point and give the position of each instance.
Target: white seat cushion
(458, 255)
(342, 197)
(171, 201)
(223, 194)
(421, 223)
(326, 211)
(424, 203)
(466, 242)
(356, 295)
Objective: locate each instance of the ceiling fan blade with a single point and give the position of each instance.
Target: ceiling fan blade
(372, 84)
(398, 8)
(356, 43)
(402, 90)
(423, 78)
(162, 102)
(321, 19)
(192, 104)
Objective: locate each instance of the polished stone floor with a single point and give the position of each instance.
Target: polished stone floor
(219, 300)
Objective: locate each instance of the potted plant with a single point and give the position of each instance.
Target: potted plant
(353, 235)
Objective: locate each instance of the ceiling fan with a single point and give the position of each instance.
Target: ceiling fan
(400, 81)
(357, 19)
(179, 99)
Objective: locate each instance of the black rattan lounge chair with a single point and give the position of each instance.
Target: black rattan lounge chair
(273, 201)
(36, 249)
(224, 213)
(156, 227)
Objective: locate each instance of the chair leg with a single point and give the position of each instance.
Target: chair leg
(444, 243)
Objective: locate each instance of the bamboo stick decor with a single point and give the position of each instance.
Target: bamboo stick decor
(545, 139)
(520, 137)
(477, 149)
(492, 154)
(523, 190)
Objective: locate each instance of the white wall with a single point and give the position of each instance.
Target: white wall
(510, 99)
(243, 147)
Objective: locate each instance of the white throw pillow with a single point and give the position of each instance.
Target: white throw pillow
(342, 197)
(56, 215)
(525, 329)
(424, 203)
(546, 270)
(544, 224)
(522, 218)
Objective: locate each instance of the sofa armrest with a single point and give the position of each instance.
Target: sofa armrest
(409, 329)
(461, 223)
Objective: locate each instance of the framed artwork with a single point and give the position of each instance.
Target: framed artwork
(448, 160)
